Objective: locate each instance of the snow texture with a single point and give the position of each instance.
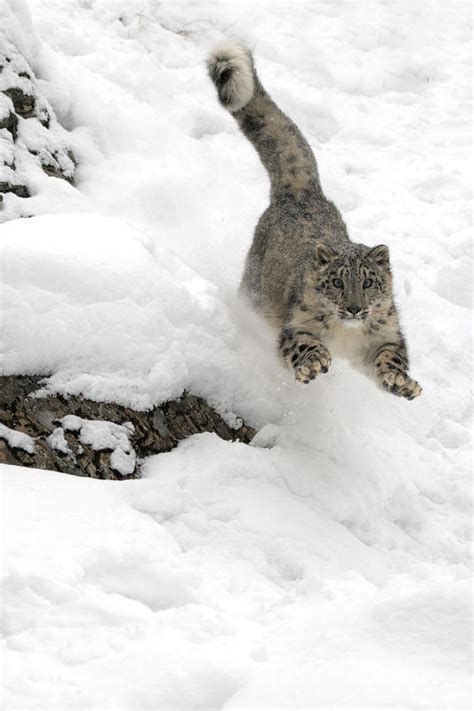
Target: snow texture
(329, 564)
(100, 435)
(57, 440)
(17, 439)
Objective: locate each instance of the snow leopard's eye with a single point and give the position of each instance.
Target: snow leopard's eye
(367, 283)
(338, 283)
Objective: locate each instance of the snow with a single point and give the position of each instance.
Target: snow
(105, 435)
(118, 317)
(328, 565)
(208, 585)
(35, 144)
(17, 26)
(17, 439)
(58, 441)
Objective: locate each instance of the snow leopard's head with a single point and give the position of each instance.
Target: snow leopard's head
(353, 281)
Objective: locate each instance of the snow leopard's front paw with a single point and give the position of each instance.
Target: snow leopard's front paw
(312, 364)
(400, 384)
(307, 357)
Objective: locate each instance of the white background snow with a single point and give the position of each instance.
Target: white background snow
(328, 565)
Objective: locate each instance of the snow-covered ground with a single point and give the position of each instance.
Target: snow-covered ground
(328, 565)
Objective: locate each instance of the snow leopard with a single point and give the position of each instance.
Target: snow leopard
(324, 294)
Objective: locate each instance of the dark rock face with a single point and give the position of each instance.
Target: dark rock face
(61, 446)
(10, 123)
(23, 104)
(19, 190)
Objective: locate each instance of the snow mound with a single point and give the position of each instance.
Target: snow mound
(116, 316)
(17, 439)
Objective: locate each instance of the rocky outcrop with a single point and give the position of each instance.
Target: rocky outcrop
(97, 439)
(31, 138)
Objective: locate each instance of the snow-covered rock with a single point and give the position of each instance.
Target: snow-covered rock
(102, 440)
(17, 439)
(32, 142)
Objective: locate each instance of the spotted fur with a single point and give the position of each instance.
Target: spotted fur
(322, 292)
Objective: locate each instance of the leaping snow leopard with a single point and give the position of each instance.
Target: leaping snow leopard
(323, 293)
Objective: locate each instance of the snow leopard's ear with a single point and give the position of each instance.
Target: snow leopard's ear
(380, 255)
(324, 253)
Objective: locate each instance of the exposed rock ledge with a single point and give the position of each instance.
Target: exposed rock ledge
(96, 439)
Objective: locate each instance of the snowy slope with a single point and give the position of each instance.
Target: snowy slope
(328, 565)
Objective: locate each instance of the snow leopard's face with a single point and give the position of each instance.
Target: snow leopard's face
(353, 282)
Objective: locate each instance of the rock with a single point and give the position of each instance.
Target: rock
(30, 134)
(24, 105)
(10, 123)
(101, 440)
(19, 190)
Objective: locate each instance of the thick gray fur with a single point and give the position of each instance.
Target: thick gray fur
(322, 293)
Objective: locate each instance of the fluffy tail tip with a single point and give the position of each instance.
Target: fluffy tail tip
(231, 69)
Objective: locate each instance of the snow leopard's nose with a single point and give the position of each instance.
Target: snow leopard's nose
(354, 309)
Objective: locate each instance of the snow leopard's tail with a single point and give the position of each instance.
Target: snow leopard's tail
(283, 150)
